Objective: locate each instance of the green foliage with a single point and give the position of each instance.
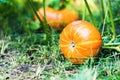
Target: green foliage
(6, 9)
(17, 14)
(55, 4)
(31, 26)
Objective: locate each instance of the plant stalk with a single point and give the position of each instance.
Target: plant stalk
(47, 27)
(112, 47)
(31, 5)
(111, 18)
(103, 12)
(45, 21)
(111, 44)
(84, 13)
(91, 15)
(44, 25)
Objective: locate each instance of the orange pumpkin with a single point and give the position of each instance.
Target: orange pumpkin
(57, 18)
(80, 40)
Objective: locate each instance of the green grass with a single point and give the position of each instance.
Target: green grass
(22, 57)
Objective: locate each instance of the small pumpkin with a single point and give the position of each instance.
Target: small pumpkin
(80, 40)
(57, 18)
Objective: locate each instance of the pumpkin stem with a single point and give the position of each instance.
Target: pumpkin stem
(72, 45)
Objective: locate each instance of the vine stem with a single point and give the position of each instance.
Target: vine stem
(93, 20)
(103, 11)
(31, 5)
(46, 26)
(104, 22)
(84, 13)
(111, 18)
(44, 13)
(112, 47)
(111, 44)
(45, 21)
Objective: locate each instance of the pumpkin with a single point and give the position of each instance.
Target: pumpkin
(80, 40)
(57, 18)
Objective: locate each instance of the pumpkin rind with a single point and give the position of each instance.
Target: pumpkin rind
(57, 18)
(80, 40)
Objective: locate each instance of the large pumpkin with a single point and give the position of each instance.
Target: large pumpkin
(80, 40)
(57, 18)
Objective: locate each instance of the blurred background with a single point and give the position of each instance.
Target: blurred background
(18, 16)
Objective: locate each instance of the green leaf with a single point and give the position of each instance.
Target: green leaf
(34, 25)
